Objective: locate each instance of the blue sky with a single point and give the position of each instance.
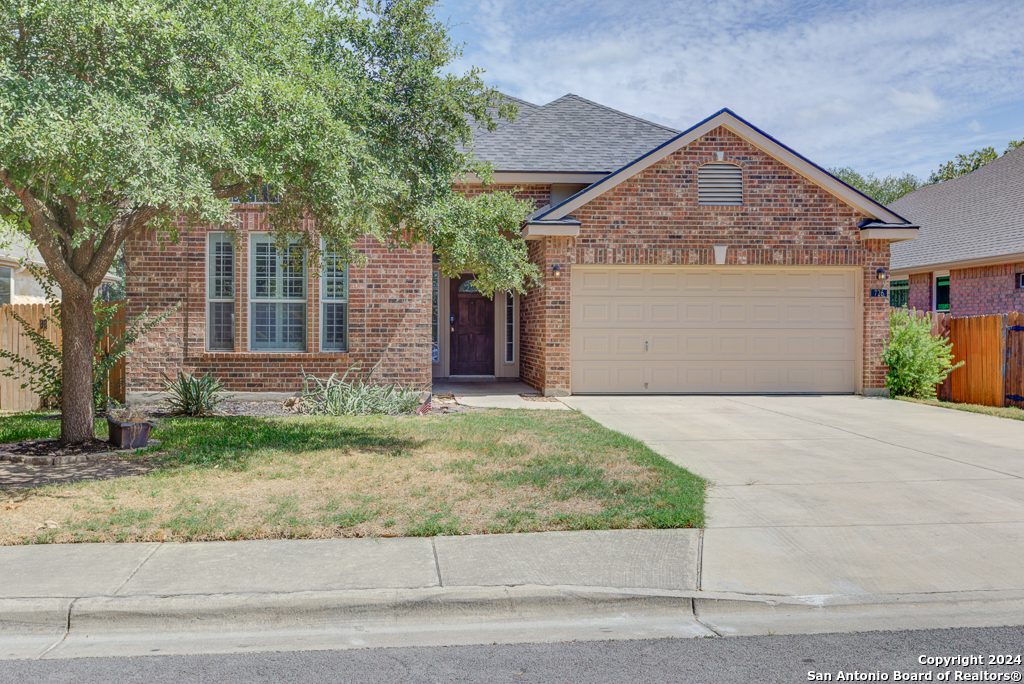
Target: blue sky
(885, 87)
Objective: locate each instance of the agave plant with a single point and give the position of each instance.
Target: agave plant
(336, 396)
(194, 395)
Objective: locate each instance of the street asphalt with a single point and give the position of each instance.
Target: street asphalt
(767, 660)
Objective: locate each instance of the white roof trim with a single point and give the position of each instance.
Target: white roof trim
(535, 231)
(539, 177)
(754, 137)
(891, 234)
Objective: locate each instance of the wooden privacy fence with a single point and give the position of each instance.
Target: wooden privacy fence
(13, 339)
(992, 349)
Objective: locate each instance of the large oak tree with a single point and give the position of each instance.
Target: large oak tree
(121, 114)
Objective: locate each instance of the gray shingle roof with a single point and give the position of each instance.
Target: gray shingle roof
(523, 106)
(977, 216)
(570, 134)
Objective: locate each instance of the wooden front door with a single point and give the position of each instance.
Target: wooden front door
(472, 330)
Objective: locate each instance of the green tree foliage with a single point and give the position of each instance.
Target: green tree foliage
(917, 360)
(882, 190)
(963, 164)
(117, 115)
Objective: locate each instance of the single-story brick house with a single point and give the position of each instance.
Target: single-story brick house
(714, 259)
(969, 256)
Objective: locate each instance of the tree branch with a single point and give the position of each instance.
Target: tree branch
(40, 226)
(227, 191)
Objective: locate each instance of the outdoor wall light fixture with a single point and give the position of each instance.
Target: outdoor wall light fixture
(880, 273)
(556, 269)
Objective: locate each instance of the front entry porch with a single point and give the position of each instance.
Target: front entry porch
(474, 337)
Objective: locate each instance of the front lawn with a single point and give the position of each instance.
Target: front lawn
(317, 477)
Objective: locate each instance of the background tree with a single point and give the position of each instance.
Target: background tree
(889, 189)
(116, 115)
(882, 190)
(963, 164)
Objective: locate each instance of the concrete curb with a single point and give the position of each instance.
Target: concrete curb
(226, 623)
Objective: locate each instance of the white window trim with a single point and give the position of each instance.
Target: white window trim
(253, 301)
(324, 300)
(234, 291)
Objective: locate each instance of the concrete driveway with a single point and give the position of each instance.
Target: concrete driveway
(843, 495)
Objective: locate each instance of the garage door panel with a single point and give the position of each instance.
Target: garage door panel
(628, 281)
(661, 329)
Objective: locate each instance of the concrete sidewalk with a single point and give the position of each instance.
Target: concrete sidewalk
(91, 600)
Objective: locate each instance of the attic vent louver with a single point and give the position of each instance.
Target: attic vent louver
(720, 184)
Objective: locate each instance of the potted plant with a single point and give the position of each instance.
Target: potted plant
(129, 428)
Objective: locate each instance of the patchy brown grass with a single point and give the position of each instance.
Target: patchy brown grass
(1011, 412)
(309, 477)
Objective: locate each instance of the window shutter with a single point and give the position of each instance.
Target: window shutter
(720, 184)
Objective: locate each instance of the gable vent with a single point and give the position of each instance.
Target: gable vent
(720, 184)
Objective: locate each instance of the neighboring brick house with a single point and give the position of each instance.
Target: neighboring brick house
(710, 260)
(969, 256)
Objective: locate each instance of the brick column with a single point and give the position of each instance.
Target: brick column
(544, 319)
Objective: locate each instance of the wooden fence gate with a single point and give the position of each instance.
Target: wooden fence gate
(13, 339)
(992, 349)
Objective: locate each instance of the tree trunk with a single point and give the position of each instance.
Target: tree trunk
(78, 344)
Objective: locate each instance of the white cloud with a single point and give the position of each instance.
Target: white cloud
(974, 125)
(878, 85)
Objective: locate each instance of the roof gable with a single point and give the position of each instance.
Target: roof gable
(569, 135)
(752, 135)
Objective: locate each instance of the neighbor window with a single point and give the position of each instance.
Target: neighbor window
(720, 184)
(510, 328)
(334, 302)
(1019, 280)
(5, 285)
(899, 294)
(277, 293)
(220, 293)
(942, 293)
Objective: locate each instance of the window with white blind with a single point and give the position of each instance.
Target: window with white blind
(277, 295)
(334, 302)
(220, 293)
(720, 184)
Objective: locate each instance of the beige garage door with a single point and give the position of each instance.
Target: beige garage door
(755, 330)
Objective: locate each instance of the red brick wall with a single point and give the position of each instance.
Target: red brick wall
(654, 218)
(544, 319)
(985, 290)
(977, 291)
(920, 296)
(389, 316)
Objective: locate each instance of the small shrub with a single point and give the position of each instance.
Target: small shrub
(917, 360)
(194, 395)
(343, 397)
